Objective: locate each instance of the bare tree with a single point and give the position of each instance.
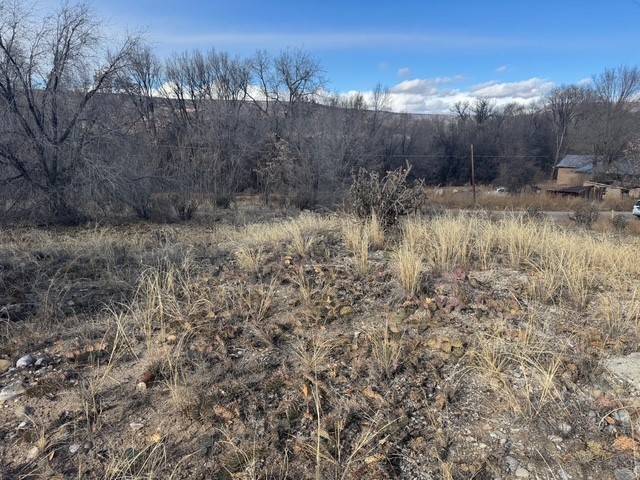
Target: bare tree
(282, 83)
(482, 110)
(141, 80)
(564, 107)
(617, 93)
(462, 110)
(51, 73)
(301, 76)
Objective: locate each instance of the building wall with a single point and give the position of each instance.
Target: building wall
(566, 176)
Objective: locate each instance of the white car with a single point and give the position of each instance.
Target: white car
(636, 209)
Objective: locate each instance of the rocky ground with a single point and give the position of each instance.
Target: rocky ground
(210, 352)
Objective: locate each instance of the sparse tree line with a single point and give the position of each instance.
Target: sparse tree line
(91, 127)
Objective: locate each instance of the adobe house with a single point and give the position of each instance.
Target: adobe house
(581, 175)
(574, 169)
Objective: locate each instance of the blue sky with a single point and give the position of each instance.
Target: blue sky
(429, 53)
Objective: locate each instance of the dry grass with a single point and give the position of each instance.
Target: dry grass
(358, 240)
(462, 198)
(387, 347)
(524, 374)
(285, 362)
(409, 266)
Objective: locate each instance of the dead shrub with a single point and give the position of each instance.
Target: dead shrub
(619, 222)
(585, 215)
(388, 197)
(184, 206)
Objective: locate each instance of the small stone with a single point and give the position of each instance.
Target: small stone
(565, 428)
(345, 310)
(623, 417)
(624, 474)
(512, 463)
(522, 473)
(32, 454)
(41, 362)
(147, 377)
(87, 446)
(141, 387)
(25, 361)
(74, 448)
(22, 411)
(22, 426)
(555, 438)
(136, 426)
(5, 365)
(12, 390)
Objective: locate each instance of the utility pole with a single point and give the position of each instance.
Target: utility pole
(473, 177)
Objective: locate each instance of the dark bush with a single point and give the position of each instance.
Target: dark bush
(184, 206)
(388, 197)
(223, 202)
(585, 215)
(619, 222)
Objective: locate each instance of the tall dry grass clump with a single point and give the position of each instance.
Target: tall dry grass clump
(449, 240)
(565, 265)
(298, 233)
(519, 239)
(360, 238)
(409, 266)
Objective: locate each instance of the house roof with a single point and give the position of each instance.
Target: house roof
(574, 190)
(577, 162)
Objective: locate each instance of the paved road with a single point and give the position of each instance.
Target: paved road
(564, 215)
(558, 216)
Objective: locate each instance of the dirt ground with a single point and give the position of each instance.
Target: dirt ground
(196, 351)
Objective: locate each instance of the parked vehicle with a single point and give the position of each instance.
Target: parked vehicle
(636, 209)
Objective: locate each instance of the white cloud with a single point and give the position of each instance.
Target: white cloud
(425, 86)
(438, 95)
(502, 69)
(404, 72)
(526, 89)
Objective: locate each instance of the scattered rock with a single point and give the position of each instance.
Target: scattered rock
(33, 453)
(74, 447)
(147, 378)
(522, 473)
(87, 446)
(136, 426)
(12, 390)
(512, 463)
(22, 411)
(627, 368)
(25, 361)
(141, 387)
(5, 365)
(624, 474)
(623, 417)
(41, 362)
(555, 438)
(564, 428)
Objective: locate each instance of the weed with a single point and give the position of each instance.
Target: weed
(585, 215)
(409, 265)
(357, 239)
(619, 222)
(388, 197)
